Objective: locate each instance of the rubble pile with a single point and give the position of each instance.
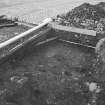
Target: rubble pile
(86, 16)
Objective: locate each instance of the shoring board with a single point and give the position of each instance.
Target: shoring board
(73, 29)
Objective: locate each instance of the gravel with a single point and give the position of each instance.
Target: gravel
(86, 16)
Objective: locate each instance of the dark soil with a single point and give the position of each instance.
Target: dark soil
(52, 74)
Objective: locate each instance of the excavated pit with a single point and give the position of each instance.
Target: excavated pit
(55, 73)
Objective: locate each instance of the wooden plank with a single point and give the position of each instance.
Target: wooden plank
(77, 43)
(7, 25)
(73, 29)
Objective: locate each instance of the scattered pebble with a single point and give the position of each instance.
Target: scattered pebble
(93, 87)
(19, 80)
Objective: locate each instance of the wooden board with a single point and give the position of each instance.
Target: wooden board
(73, 29)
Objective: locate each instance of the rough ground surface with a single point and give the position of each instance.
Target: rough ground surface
(52, 74)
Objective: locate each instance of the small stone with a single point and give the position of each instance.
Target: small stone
(98, 89)
(41, 66)
(18, 79)
(14, 78)
(2, 91)
(92, 86)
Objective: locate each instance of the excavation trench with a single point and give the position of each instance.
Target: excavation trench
(54, 73)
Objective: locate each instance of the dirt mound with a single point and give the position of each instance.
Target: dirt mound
(85, 16)
(86, 11)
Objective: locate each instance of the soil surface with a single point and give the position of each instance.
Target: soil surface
(9, 32)
(55, 73)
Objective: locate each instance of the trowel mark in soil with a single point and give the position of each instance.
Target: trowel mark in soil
(52, 74)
